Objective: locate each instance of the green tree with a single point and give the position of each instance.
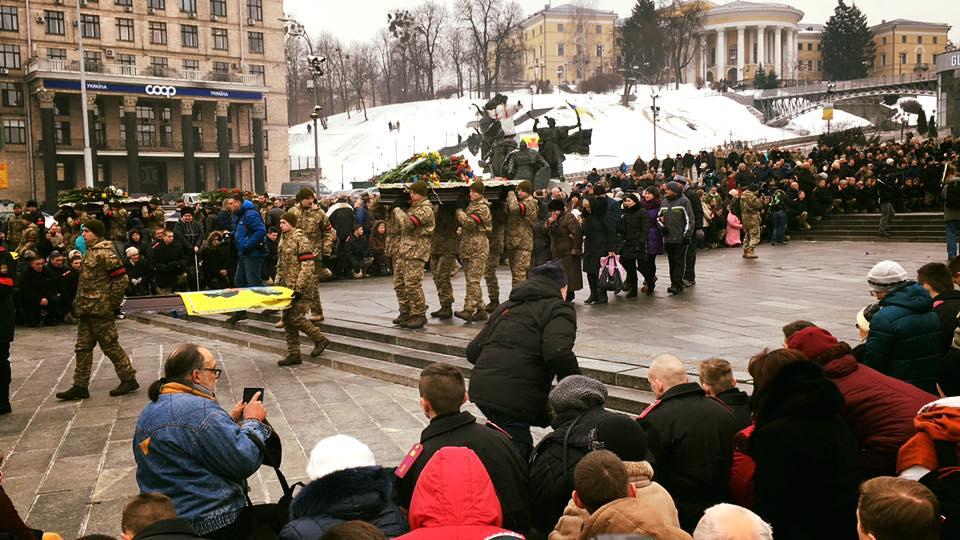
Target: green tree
(772, 80)
(848, 45)
(932, 127)
(760, 78)
(922, 121)
(641, 46)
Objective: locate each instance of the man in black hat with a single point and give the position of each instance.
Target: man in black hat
(516, 359)
(188, 233)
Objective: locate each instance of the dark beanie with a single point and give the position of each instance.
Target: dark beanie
(553, 271)
(304, 193)
(478, 187)
(525, 186)
(186, 210)
(578, 393)
(674, 187)
(419, 188)
(290, 218)
(632, 196)
(623, 436)
(96, 227)
(556, 205)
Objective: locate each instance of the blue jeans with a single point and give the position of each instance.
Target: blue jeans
(518, 430)
(953, 233)
(779, 226)
(249, 272)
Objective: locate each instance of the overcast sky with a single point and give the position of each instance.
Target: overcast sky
(361, 19)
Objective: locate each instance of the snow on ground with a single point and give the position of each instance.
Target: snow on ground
(690, 119)
(812, 122)
(929, 104)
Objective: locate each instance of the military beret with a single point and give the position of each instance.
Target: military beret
(96, 227)
(419, 187)
(478, 187)
(525, 186)
(304, 193)
(290, 218)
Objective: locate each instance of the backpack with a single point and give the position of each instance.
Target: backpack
(945, 484)
(953, 195)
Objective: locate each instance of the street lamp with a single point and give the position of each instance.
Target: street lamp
(293, 29)
(656, 113)
(315, 115)
(829, 104)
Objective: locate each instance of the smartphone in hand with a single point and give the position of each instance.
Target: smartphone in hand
(249, 392)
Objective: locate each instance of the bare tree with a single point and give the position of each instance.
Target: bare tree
(457, 54)
(297, 76)
(430, 19)
(679, 21)
(491, 25)
(361, 67)
(384, 49)
(584, 38)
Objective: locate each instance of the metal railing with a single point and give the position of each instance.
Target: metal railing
(842, 86)
(156, 145)
(144, 72)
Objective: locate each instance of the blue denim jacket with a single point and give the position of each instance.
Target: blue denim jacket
(188, 448)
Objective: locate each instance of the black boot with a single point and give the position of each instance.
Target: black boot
(570, 296)
(125, 387)
(73, 393)
(592, 282)
(601, 297)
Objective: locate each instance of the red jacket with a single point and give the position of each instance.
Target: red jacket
(878, 408)
(455, 499)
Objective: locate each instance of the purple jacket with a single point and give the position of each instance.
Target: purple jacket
(655, 240)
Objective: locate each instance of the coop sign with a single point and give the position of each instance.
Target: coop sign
(157, 90)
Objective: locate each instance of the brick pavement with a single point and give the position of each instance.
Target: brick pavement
(70, 467)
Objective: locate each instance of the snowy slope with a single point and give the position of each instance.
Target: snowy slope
(690, 119)
(812, 122)
(929, 104)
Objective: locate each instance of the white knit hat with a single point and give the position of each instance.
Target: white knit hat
(131, 251)
(338, 453)
(885, 275)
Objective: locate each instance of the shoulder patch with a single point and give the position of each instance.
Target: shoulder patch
(409, 460)
(306, 257)
(416, 221)
(647, 411)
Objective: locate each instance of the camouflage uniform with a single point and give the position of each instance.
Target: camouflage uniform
(416, 225)
(100, 290)
(29, 238)
(15, 228)
(521, 217)
(295, 259)
(499, 215)
(443, 254)
(750, 208)
(153, 219)
(116, 222)
(475, 222)
(313, 223)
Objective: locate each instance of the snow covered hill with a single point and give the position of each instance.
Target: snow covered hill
(690, 119)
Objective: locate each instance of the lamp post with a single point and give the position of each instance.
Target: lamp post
(87, 152)
(315, 115)
(293, 29)
(656, 113)
(830, 88)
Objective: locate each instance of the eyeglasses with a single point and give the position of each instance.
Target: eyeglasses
(216, 371)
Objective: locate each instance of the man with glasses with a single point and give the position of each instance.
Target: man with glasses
(190, 449)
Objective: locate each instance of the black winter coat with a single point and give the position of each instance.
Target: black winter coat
(7, 281)
(635, 232)
(508, 471)
(739, 404)
(525, 344)
(362, 493)
(695, 203)
(807, 460)
(213, 260)
(691, 437)
(553, 462)
(169, 529)
(599, 235)
(169, 261)
(141, 271)
(947, 305)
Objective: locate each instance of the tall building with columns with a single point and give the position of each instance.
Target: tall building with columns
(182, 95)
(737, 37)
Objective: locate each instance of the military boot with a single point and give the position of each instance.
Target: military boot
(414, 322)
(73, 394)
(750, 254)
(465, 315)
(319, 347)
(445, 312)
(290, 360)
(278, 324)
(492, 306)
(480, 315)
(125, 388)
(400, 320)
(316, 317)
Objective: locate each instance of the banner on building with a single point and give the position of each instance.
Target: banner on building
(4, 175)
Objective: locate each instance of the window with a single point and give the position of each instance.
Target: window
(800, 46)
(903, 58)
(62, 133)
(93, 61)
(61, 105)
(819, 46)
(14, 131)
(903, 39)
(189, 36)
(147, 135)
(125, 29)
(188, 6)
(221, 67)
(255, 10)
(884, 40)
(56, 54)
(919, 58)
(220, 39)
(9, 56)
(560, 28)
(883, 59)
(810, 46)
(128, 63)
(259, 72)
(10, 94)
(819, 65)
(218, 8)
(53, 21)
(935, 39)
(90, 26)
(919, 39)
(124, 3)
(809, 65)
(256, 41)
(599, 51)
(599, 29)
(157, 4)
(559, 49)
(145, 113)
(100, 135)
(191, 65)
(8, 19)
(159, 66)
(158, 33)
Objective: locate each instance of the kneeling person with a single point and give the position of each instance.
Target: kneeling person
(295, 260)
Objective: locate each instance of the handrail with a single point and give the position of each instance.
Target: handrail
(144, 72)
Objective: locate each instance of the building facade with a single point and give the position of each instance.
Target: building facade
(907, 47)
(947, 65)
(810, 53)
(568, 43)
(182, 95)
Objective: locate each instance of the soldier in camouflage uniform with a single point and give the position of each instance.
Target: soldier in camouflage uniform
(152, 216)
(522, 210)
(416, 226)
(15, 227)
(29, 238)
(476, 223)
(116, 222)
(312, 222)
(103, 281)
(391, 245)
(495, 239)
(295, 259)
(750, 208)
(443, 258)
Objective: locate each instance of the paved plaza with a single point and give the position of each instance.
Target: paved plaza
(70, 466)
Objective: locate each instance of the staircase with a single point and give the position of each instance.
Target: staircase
(376, 349)
(912, 227)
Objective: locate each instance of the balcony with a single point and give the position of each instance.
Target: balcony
(56, 68)
(148, 145)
